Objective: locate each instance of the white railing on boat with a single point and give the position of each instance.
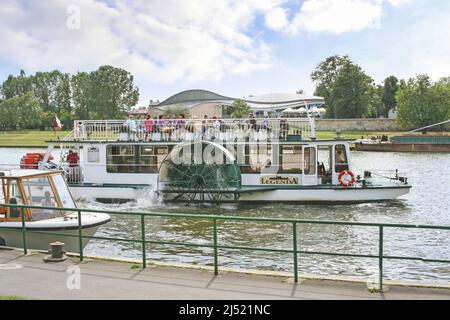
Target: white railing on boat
(194, 129)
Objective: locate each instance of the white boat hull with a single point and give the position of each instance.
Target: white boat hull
(300, 194)
(66, 230)
(326, 195)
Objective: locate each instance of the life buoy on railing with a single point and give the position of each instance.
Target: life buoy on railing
(346, 178)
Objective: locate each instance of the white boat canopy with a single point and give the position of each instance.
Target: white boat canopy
(288, 110)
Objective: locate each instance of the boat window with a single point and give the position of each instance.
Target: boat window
(120, 159)
(341, 161)
(39, 192)
(63, 191)
(324, 163)
(291, 156)
(310, 160)
(148, 161)
(135, 159)
(257, 158)
(15, 197)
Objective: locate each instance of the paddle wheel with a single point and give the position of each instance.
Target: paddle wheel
(199, 171)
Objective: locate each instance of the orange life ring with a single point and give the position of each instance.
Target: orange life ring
(346, 183)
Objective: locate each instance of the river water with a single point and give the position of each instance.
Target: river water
(428, 203)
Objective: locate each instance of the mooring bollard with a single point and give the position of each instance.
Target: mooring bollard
(56, 252)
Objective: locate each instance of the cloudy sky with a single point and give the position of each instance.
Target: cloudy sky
(233, 47)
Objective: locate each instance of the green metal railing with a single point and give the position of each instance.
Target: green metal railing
(143, 241)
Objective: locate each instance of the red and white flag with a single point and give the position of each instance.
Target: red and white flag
(58, 125)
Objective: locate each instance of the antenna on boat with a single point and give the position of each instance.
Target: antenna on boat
(430, 126)
(311, 121)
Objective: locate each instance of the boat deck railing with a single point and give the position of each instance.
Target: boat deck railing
(194, 129)
(217, 220)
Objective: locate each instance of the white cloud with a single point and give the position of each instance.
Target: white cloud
(397, 3)
(276, 18)
(165, 41)
(339, 16)
(161, 41)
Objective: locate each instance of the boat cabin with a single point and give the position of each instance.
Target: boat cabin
(39, 188)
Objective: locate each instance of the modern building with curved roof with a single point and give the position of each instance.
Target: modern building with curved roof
(204, 102)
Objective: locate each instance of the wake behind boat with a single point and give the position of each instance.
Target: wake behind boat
(47, 192)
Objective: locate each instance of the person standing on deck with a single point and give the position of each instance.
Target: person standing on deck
(198, 129)
(148, 124)
(131, 128)
(160, 126)
(216, 128)
(181, 127)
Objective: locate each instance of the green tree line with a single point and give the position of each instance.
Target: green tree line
(350, 93)
(31, 102)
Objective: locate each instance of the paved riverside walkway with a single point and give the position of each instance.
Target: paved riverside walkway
(30, 277)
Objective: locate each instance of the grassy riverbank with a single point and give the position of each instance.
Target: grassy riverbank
(38, 138)
(28, 138)
(355, 134)
(12, 298)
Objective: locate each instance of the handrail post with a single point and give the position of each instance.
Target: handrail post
(80, 235)
(216, 267)
(144, 256)
(24, 237)
(380, 260)
(294, 239)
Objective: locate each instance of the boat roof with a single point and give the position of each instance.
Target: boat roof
(23, 173)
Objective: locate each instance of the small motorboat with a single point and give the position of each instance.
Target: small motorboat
(48, 195)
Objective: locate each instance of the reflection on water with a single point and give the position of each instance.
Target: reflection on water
(428, 203)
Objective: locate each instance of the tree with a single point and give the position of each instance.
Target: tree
(113, 92)
(390, 89)
(325, 75)
(20, 112)
(45, 86)
(376, 107)
(176, 110)
(421, 103)
(82, 95)
(240, 109)
(351, 92)
(15, 86)
(445, 81)
(105, 93)
(64, 93)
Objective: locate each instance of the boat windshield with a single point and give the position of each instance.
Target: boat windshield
(63, 191)
(40, 192)
(10, 194)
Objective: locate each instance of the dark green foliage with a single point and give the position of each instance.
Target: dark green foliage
(20, 112)
(347, 90)
(240, 109)
(352, 92)
(107, 93)
(390, 88)
(421, 103)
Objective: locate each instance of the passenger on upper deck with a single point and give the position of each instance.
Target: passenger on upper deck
(160, 127)
(205, 135)
(284, 128)
(140, 128)
(149, 124)
(131, 128)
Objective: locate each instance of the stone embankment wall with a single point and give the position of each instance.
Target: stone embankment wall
(357, 125)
